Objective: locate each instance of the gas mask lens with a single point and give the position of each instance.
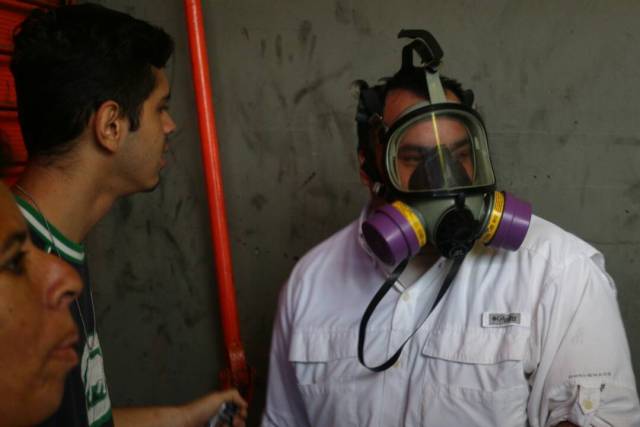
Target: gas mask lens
(439, 151)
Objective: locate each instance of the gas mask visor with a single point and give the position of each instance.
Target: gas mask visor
(438, 150)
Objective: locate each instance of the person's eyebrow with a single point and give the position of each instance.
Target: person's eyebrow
(413, 147)
(17, 238)
(461, 143)
(420, 149)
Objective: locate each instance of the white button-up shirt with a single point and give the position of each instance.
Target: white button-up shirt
(531, 337)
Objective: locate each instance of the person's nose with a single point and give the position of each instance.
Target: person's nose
(59, 281)
(169, 125)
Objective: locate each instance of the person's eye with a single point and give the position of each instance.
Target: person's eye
(411, 159)
(463, 155)
(15, 265)
(163, 108)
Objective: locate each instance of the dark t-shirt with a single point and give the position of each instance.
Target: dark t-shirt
(86, 400)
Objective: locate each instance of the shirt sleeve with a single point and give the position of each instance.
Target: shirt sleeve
(284, 406)
(583, 372)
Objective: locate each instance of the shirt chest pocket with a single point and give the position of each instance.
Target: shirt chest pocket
(475, 377)
(327, 369)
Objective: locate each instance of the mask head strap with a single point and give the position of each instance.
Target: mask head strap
(430, 53)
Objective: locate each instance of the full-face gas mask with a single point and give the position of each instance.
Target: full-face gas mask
(437, 174)
(437, 179)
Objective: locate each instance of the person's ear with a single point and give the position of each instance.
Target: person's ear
(110, 126)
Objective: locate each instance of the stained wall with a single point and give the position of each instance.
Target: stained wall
(555, 81)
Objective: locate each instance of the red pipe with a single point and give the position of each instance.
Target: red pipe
(239, 374)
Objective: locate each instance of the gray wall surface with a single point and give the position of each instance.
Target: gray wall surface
(557, 83)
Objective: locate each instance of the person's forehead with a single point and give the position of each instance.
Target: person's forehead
(445, 126)
(399, 100)
(162, 87)
(162, 82)
(11, 220)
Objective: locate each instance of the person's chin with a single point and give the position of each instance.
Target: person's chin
(44, 403)
(152, 186)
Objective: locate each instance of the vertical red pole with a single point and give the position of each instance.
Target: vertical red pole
(239, 375)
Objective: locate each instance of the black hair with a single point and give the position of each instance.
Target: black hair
(70, 60)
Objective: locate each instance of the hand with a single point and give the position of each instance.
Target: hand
(199, 412)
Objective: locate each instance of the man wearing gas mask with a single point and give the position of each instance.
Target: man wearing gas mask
(487, 315)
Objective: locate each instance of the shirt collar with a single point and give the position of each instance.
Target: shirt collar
(54, 240)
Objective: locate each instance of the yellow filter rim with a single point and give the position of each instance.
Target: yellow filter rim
(413, 220)
(494, 218)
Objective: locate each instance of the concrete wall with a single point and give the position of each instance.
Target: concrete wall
(557, 83)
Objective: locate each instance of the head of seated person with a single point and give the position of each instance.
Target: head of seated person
(37, 332)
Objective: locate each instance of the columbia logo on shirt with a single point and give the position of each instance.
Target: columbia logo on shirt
(496, 320)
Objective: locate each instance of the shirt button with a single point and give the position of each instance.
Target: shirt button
(405, 296)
